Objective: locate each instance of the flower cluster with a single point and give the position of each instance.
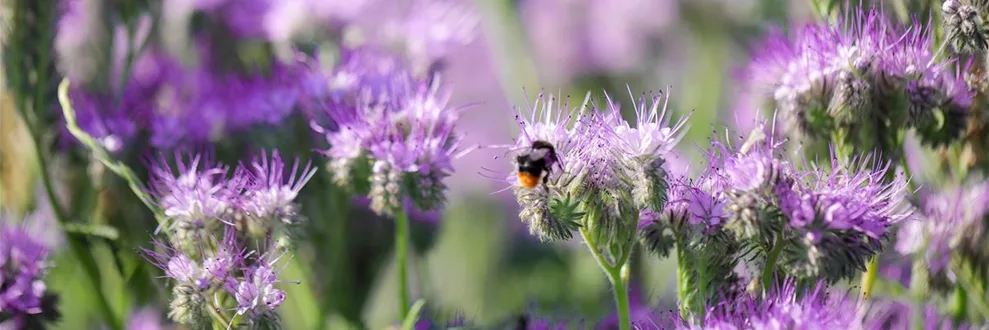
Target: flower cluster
(601, 165)
(221, 267)
(862, 77)
(840, 216)
(24, 300)
(964, 22)
(388, 132)
(175, 104)
(952, 221)
(785, 306)
(199, 197)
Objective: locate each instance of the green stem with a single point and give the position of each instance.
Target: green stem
(619, 279)
(869, 278)
(617, 276)
(401, 257)
(683, 282)
(960, 305)
(100, 153)
(918, 291)
(968, 283)
(770, 268)
(77, 245)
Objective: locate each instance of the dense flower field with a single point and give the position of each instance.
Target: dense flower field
(527, 164)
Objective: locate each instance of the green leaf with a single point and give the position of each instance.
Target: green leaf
(413, 316)
(109, 233)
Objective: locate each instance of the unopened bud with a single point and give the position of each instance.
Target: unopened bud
(386, 188)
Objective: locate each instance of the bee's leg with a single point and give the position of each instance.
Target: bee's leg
(549, 171)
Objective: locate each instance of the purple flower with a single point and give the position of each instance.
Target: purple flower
(271, 191)
(255, 293)
(900, 315)
(196, 196)
(79, 36)
(200, 269)
(146, 319)
(785, 306)
(848, 70)
(861, 196)
(23, 262)
(950, 220)
(405, 127)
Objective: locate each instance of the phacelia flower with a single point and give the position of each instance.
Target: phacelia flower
(555, 122)
(853, 76)
(839, 217)
(899, 315)
(201, 271)
(146, 319)
(951, 221)
(403, 128)
(965, 27)
(195, 197)
(785, 306)
(24, 300)
(930, 87)
(269, 198)
(648, 145)
(255, 292)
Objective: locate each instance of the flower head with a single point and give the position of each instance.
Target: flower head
(951, 220)
(785, 307)
(855, 75)
(23, 262)
(195, 196)
(404, 128)
(271, 189)
(838, 218)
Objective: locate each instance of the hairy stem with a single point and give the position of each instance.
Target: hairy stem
(617, 276)
(401, 257)
(869, 277)
(77, 244)
(619, 280)
(683, 282)
(770, 268)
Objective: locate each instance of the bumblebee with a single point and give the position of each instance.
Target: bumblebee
(536, 163)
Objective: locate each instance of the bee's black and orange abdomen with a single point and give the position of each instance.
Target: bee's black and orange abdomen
(528, 180)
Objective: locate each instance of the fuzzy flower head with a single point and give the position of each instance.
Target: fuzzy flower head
(272, 189)
(403, 128)
(23, 262)
(857, 75)
(785, 307)
(194, 196)
(648, 145)
(838, 217)
(205, 270)
(964, 22)
(555, 123)
(951, 221)
(931, 88)
(255, 292)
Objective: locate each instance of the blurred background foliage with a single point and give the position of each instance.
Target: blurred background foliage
(474, 261)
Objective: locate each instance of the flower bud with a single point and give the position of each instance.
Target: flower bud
(852, 98)
(427, 190)
(386, 188)
(649, 185)
(549, 220)
(964, 26)
(189, 307)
